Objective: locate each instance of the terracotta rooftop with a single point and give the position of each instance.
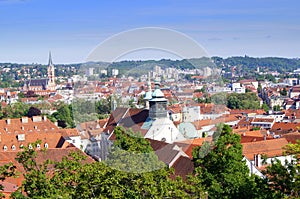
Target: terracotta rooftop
(285, 127)
(247, 111)
(271, 148)
(223, 119)
(269, 120)
(15, 133)
(50, 154)
(292, 137)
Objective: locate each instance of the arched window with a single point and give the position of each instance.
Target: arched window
(13, 147)
(46, 145)
(5, 148)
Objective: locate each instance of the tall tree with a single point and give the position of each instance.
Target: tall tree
(223, 172)
(285, 179)
(33, 111)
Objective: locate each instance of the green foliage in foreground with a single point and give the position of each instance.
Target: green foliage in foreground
(73, 177)
(223, 173)
(220, 172)
(285, 180)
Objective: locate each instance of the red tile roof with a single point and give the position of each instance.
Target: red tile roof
(292, 137)
(49, 154)
(271, 148)
(284, 127)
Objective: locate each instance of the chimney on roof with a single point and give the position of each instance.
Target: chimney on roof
(24, 120)
(36, 118)
(8, 121)
(257, 160)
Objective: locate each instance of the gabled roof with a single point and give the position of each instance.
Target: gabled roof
(129, 118)
(263, 120)
(292, 137)
(183, 166)
(174, 156)
(285, 127)
(49, 154)
(271, 148)
(114, 118)
(134, 119)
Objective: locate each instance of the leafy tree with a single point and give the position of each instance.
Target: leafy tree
(73, 177)
(277, 108)
(265, 107)
(283, 92)
(219, 98)
(259, 88)
(64, 116)
(33, 111)
(242, 101)
(224, 173)
(285, 179)
(103, 106)
(1, 111)
(21, 95)
(6, 171)
(15, 110)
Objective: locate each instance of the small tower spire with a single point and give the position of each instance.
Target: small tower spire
(50, 63)
(51, 74)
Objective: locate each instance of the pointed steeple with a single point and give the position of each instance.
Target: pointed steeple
(50, 63)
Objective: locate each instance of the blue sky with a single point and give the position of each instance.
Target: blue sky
(71, 29)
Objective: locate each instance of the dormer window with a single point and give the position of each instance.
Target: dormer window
(30, 146)
(5, 148)
(13, 147)
(38, 146)
(46, 145)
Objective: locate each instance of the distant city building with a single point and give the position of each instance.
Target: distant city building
(291, 81)
(237, 88)
(103, 72)
(45, 83)
(90, 71)
(114, 72)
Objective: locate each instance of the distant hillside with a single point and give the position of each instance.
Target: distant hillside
(244, 66)
(248, 64)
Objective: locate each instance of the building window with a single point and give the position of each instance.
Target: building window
(30, 146)
(46, 145)
(5, 148)
(38, 146)
(13, 147)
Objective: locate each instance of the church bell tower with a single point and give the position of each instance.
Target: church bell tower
(51, 74)
(158, 104)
